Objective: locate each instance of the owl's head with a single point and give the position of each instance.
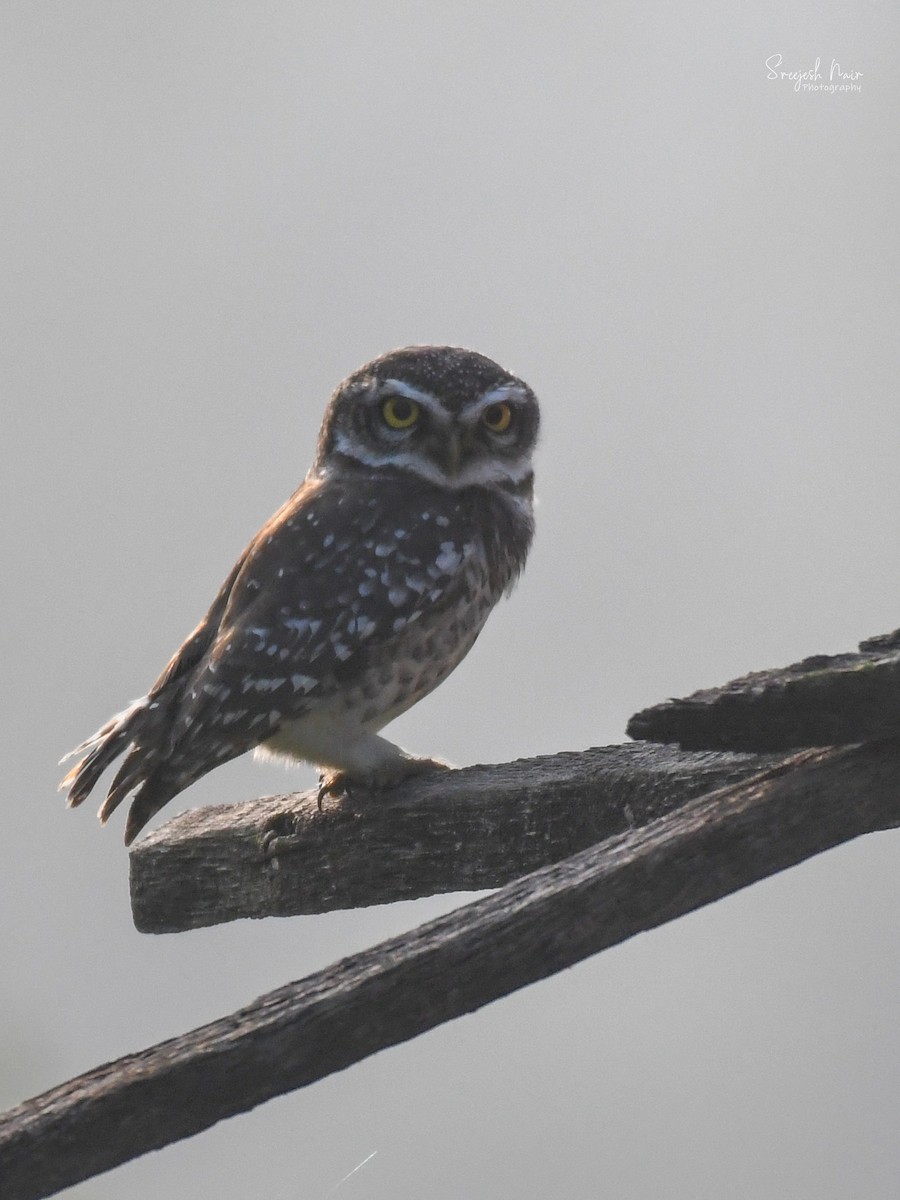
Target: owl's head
(445, 414)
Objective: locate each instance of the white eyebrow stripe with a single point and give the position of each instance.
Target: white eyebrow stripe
(507, 391)
(476, 474)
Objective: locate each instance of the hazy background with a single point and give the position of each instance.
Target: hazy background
(211, 213)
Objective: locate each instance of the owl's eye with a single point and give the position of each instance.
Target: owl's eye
(498, 417)
(399, 412)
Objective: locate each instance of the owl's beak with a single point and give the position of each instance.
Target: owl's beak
(450, 452)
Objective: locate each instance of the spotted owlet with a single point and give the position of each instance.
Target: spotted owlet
(356, 599)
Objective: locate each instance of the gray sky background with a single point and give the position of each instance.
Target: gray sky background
(211, 213)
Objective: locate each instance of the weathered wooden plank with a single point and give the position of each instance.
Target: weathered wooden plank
(710, 847)
(455, 831)
(827, 700)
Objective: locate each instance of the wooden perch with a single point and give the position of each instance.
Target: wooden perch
(460, 831)
(822, 701)
(711, 846)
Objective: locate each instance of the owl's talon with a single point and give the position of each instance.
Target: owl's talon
(339, 783)
(335, 784)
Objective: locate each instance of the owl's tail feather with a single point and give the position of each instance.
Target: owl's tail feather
(137, 733)
(102, 748)
(154, 793)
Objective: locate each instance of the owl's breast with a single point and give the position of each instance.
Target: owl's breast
(397, 673)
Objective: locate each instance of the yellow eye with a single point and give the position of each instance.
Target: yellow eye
(498, 417)
(399, 412)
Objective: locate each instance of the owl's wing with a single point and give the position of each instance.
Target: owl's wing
(334, 575)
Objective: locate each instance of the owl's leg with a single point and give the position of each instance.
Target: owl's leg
(387, 775)
(347, 753)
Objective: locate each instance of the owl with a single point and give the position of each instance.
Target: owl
(355, 600)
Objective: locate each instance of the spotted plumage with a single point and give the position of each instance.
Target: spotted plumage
(356, 599)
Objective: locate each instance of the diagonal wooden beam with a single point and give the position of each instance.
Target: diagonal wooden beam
(712, 846)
